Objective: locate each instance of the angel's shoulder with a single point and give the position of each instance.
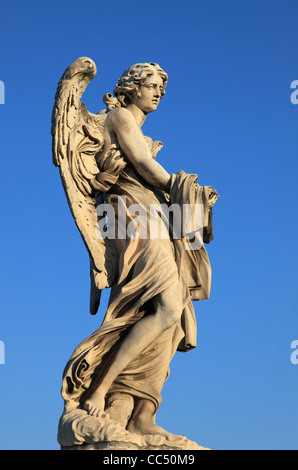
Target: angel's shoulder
(120, 117)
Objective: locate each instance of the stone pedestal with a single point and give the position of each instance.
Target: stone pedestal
(80, 431)
(120, 445)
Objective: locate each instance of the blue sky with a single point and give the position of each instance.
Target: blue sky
(227, 116)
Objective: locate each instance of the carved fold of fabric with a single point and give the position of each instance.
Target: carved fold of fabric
(185, 191)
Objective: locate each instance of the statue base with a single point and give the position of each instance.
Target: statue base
(80, 431)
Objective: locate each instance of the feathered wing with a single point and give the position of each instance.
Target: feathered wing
(77, 138)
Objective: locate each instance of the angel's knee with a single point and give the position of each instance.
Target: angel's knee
(169, 309)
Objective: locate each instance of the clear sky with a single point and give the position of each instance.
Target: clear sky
(228, 117)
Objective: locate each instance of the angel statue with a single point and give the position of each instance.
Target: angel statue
(108, 168)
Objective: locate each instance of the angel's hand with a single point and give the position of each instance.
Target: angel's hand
(213, 196)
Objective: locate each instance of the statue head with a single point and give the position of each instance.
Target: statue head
(131, 82)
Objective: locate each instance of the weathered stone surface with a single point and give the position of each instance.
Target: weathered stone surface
(91, 433)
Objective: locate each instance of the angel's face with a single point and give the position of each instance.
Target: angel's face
(148, 95)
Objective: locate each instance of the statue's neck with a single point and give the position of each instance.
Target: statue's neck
(138, 114)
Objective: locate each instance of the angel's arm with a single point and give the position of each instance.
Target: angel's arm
(134, 145)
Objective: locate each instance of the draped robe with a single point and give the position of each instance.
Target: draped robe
(146, 267)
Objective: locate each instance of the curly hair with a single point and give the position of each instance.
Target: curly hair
(131, 80)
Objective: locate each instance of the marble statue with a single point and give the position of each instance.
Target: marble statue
(112, 382)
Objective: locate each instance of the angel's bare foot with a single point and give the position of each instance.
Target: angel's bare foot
(144, 427)
(119, 407)
(143, 421)
(95, 405)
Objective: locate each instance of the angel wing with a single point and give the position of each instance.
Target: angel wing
(77, 137)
